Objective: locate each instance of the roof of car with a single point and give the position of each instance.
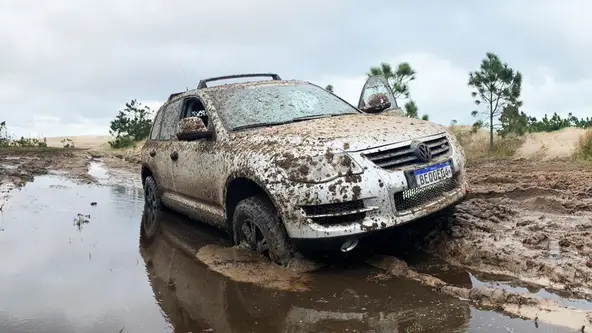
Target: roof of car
(239, 85)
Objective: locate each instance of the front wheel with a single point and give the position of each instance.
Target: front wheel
(152, 209)
(257, 227)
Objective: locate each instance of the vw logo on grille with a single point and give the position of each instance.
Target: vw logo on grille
(422, 151)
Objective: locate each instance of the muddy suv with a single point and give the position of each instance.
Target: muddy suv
(283, 164)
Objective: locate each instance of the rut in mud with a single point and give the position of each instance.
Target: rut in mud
(528, 220)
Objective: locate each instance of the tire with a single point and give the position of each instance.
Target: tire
(270, 237)
(152, 209)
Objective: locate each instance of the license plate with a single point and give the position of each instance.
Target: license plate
(433, 174)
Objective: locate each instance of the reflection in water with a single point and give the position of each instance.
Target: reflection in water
(55, 278)
(195, 298)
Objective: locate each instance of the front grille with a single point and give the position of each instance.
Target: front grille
(336, 213)
(404, 156)
(415, 197)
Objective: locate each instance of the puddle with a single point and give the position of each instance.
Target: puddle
(540, 292)
(8, 166)
(101, 278)
(98, 171)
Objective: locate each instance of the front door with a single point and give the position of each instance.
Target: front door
(196, 174)
(378, 89)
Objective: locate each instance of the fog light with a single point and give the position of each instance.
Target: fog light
(349, 245)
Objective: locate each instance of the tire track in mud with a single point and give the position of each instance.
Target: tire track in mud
(528, 220)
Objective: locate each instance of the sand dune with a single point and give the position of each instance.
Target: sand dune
(81, 141)
(550, 145)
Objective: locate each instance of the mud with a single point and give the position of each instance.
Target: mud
(232, 262)
(19, 166)
(508, 301)
(531, 221)
(105, 278)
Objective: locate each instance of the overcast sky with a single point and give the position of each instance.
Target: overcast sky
(67, 66)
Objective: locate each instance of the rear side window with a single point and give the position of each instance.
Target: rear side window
(172, 114)
(157, 124)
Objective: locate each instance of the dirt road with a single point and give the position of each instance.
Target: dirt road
(88, 271)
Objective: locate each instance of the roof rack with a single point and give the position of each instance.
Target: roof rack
(203, 83)
(173, 96)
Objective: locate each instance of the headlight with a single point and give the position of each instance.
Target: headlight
(321, 169)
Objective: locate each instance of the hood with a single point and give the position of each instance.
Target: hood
(349, 132)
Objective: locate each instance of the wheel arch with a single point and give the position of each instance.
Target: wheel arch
(146, 171)
(239, 187)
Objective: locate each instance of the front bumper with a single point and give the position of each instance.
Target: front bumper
(369, 200)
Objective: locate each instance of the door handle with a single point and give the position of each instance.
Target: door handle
(152, 153)
(174, 156)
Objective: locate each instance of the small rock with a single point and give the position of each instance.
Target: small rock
(564, 242)
(93, 203)
(589, 264)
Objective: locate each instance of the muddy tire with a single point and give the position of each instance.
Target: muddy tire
(256, 226)
(152, 209)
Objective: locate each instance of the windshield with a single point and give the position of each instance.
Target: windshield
(272, 104)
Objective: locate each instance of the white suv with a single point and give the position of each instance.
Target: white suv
(283, 165)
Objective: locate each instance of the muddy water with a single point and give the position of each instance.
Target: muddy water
(63, 274)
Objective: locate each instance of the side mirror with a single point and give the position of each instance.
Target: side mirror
(376, 103)
(192, 128)
(375, 108)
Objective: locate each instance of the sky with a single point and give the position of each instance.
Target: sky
(68, 66)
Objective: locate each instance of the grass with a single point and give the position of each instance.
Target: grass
(476, 145)
(583, 149)
(17, 149)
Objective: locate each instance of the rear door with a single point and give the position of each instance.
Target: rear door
(163, 146)
(375, 88)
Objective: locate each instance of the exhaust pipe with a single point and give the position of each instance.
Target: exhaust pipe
(349, 245)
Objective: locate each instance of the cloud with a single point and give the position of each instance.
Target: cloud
(75, 63)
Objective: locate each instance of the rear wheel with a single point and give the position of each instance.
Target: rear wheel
(256, 227)
(152, 209)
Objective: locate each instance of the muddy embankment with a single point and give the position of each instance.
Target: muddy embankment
(526, 223)
(528, 220)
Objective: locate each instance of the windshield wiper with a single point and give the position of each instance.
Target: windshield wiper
(260, 125)
(293, 120)
(318, 116)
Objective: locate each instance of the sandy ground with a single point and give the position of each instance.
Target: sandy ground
(559, 144)
(82, 141)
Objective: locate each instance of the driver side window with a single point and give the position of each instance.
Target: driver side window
(193, 107)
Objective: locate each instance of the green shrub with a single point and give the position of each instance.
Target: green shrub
(122, 142)
(131, 124)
